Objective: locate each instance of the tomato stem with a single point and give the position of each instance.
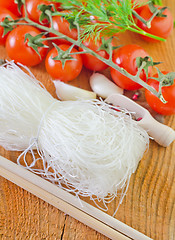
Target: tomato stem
(142, 32)
(152, 17)
(49, 39)
(135, 14)
(108, 61)
(146, 22)
(140, 69)
(77, 53)
(50, 17)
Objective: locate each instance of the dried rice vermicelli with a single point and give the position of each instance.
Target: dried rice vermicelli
(85, 146)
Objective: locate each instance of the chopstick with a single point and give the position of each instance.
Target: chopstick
(66, 202)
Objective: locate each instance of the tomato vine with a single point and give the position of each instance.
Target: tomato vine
(112, 16)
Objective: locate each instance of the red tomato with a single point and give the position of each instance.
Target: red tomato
(125, 57)
(71, 69)
(4, 13)
(18, 50)
(160, 26)
(61, 25)
(33, 12)
(10, 5)
(168, 94)
(90, 61)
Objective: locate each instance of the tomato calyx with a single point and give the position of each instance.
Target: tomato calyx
(144, 64)
(46, 12)
(106, 45)
(20, 3)
(164, 80)
(72, 22)
(79, 23)
(157, 11)
(68, 16)
(35, 41)
(63, 56)
(8, 24)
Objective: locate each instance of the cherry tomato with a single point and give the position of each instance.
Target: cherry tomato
(168, 93)
(69, 71)
(34, 13)
(125, 57)
(3, 14)
(160, 26)
(61, 25)
(90, 61)
(18, 50)
(10, 5)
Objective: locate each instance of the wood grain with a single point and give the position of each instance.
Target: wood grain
(149, 204)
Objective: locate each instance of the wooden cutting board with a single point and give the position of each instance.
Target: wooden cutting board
(149, 204)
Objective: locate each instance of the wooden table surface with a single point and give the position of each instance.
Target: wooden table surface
(149, 204)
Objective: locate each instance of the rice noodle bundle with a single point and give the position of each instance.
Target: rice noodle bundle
(85, 146)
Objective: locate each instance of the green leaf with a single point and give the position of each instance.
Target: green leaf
(111, 16)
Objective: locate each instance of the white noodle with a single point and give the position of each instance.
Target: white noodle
(85, 146)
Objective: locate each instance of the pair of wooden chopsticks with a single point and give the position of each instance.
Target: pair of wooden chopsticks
(66, 202)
